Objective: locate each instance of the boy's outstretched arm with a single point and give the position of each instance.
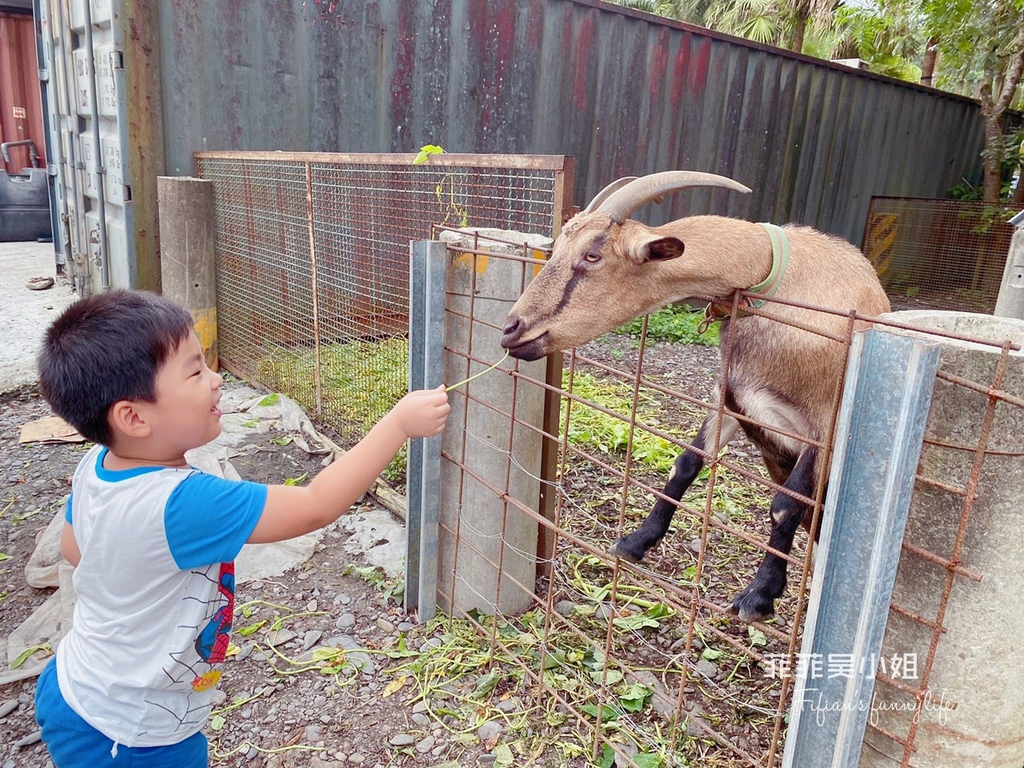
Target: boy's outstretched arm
(291, 511)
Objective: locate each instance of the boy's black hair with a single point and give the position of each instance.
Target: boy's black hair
(106, 348)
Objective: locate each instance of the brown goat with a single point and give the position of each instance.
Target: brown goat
(606, 269)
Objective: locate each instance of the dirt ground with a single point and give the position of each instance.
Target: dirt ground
(291, 695)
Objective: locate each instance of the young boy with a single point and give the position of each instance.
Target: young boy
(154, 540)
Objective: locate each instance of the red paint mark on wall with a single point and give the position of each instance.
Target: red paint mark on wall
(680, 69)
(580, 56)
(698, 80)
(659, 65)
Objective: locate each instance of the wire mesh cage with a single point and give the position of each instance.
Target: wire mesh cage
(945, 254)
(641, 662)
(312, 261)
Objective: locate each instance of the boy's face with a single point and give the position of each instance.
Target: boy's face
(185, 414)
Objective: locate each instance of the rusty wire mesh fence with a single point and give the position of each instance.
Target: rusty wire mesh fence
(645, 664)
(312, 261)
(641, 662)
(944, 254)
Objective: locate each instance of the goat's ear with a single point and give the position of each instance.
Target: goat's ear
(659, 249)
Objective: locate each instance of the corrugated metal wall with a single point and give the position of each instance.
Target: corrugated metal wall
(622, 92)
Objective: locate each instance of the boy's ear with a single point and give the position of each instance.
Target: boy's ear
(125, 419)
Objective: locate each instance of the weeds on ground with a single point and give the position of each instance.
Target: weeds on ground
(677, 324)
(361, 381)
(593, 428)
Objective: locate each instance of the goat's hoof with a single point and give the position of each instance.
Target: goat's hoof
(622, 549)
(752, 606)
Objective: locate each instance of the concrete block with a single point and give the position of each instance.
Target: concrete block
(973, 714)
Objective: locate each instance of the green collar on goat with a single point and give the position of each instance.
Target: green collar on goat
(780, 260)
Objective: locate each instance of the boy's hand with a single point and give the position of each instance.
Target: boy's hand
(291, 511)
(422, 413)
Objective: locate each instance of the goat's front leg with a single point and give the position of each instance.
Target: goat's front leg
(758, 600)
(688, 465)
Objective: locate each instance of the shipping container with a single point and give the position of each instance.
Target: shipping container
(24, 188)
(101, 104)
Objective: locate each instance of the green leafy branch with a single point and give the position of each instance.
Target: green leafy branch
(445, 190)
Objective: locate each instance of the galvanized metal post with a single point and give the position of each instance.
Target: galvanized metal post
(1010, 302)
(427, 260)
(888, 391)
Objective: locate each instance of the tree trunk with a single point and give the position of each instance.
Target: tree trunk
(801, 14)
(931, 57)
(993, 106)
(991, 160)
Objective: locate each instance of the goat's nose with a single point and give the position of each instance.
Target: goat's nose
(513, 330)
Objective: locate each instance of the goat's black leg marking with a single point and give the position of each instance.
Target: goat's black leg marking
(758, 600)
(688, 465)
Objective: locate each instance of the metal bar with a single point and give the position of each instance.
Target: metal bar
(101, 194)
(522, 162)
(434, 256)
(938, 560)
(724, 301)
(878, 444)
(314, 278)
(414, 454)
(915, 618)
(77, 248)
(956, 491)
(981, 388)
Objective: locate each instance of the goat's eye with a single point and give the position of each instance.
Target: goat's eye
(592, 258)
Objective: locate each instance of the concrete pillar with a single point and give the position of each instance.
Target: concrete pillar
(187, 250)
(973, 714)
(1011, 291)
(490, 530)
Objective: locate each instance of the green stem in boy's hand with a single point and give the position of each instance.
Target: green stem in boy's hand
(477, 375)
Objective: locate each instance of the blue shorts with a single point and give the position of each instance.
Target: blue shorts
(73, 743)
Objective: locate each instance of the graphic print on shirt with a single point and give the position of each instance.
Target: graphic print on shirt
(212, 634)
(212, 643)
(189, 669)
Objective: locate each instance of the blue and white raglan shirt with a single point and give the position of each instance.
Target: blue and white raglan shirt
(155, 591)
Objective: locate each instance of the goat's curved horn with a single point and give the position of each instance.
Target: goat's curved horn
(623, 201)
(603, 195)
